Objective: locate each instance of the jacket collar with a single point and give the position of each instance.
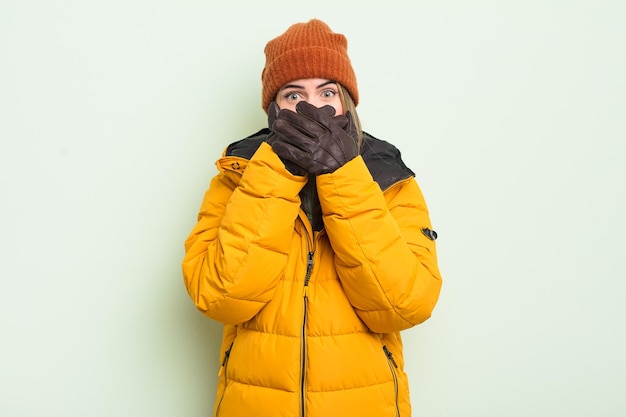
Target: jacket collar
(383, 159)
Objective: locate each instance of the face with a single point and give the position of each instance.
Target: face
(316, 91)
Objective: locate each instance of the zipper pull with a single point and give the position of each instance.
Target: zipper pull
(309, 270)
(226, 355)
(390, 356)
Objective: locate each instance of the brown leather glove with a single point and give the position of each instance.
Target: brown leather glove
(272, 115)
(314, 138)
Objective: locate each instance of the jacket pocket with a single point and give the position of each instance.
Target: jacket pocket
(393, 366)
(223, 375)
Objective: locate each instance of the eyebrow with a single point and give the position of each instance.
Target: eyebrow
(325, 83)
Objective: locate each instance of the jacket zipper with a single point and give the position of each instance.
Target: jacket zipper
(221, 372)
(303, 351)
(392, 367)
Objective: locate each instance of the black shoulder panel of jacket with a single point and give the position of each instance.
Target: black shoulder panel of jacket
(246, 147)
(384, 161)
(382, 158)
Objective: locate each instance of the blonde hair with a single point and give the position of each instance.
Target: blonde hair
(349, 106)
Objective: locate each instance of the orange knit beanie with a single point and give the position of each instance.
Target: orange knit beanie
(307, 50)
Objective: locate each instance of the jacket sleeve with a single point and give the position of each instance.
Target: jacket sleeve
(236, 252)
(386, 264)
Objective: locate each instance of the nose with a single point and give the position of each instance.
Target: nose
(315, 102)
(320, 102)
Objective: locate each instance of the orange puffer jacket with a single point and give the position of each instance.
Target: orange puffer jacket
(312, 319)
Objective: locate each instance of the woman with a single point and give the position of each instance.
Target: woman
(313, 247)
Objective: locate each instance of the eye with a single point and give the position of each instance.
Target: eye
(292, 96)
(328, 93)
